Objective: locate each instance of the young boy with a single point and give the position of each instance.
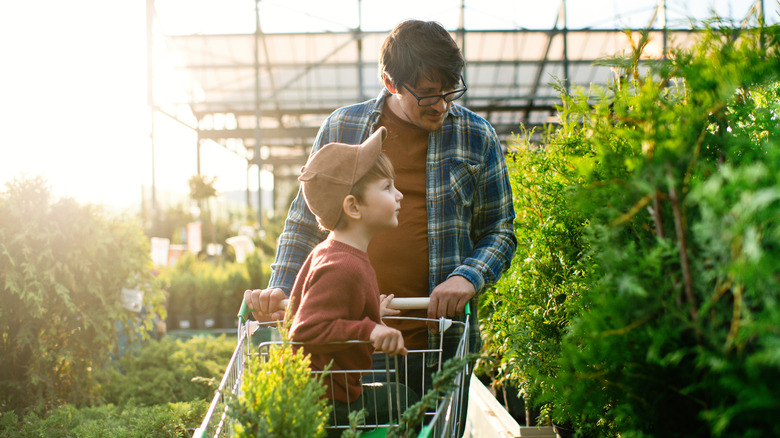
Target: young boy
(350, 189)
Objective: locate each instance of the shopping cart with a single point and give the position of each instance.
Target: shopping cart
(441, 420)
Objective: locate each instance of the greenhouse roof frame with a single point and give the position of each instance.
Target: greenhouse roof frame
(264, 95)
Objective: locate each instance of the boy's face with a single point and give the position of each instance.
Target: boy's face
(381, 204)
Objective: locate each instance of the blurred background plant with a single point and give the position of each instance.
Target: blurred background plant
(62, 270)
(74, 360)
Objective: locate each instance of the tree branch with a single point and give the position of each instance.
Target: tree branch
(683, 245)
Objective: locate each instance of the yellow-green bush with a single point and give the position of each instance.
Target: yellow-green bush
(203, 287)
(62, 270)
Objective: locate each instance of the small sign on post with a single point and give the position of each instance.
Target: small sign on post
(132, 299)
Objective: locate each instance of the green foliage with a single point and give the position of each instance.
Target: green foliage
(202, 187)
(443, 381)
(280, 397)
(682, 313)
(169, 420)
(160, 389)
(671, 199)
(356, 419)
(62, 269)
(530, 307)
(205, 287)
(169, 370)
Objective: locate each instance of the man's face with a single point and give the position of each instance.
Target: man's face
(429, 118)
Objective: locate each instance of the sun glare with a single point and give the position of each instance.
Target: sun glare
(73, 96)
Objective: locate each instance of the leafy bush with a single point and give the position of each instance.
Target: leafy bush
(62, 270)
(159, 389)
(673, 177)
(168, 420)
(169, 370)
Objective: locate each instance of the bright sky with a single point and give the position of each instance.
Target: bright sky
(73, 77)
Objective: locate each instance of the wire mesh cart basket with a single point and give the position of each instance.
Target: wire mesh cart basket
(442, 419)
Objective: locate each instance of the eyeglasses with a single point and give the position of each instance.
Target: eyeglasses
(433, 100)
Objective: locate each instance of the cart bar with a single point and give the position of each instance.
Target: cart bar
(395, 303)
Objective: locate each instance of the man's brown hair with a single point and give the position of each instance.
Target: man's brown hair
(421, 48)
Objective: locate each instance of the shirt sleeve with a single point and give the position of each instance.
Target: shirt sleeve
(492, 227)
(301, 231)
(300, 235)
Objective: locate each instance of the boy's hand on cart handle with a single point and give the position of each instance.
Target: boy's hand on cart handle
(388, 340)
(266, 304)
(385, 301)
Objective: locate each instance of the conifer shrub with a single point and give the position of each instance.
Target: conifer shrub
(280, 397)
(664, 321)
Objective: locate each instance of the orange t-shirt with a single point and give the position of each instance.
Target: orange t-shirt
(400, 255)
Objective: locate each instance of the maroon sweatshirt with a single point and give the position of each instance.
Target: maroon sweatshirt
(336, 298)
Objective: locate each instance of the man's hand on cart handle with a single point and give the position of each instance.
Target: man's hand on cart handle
(449, 298)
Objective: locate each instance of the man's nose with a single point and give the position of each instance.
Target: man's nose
(440, 106)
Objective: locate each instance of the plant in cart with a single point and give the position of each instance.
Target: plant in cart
(280, 397)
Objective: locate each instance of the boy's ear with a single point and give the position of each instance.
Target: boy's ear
(350, 207)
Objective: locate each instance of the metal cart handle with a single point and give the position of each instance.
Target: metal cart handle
(395, 303)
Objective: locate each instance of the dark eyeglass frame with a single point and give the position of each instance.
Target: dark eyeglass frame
(456, 94)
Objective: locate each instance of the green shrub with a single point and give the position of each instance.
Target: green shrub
(526, 314)
(665, 250)
(683, 198)
(62, 269)
(168, 420)
(169, 370)
(280, 397)
(204, 287)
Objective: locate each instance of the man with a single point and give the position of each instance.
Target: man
(455, 235)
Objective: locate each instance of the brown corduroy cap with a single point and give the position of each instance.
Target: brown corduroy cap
(330, 172)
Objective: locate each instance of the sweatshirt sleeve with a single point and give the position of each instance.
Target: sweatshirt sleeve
(333, 307)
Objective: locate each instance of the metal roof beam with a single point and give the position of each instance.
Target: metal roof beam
(268, 133)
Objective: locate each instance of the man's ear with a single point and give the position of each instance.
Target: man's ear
(389, 83)
(351, 207)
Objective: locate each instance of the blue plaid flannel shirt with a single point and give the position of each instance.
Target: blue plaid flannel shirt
(470, 212)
